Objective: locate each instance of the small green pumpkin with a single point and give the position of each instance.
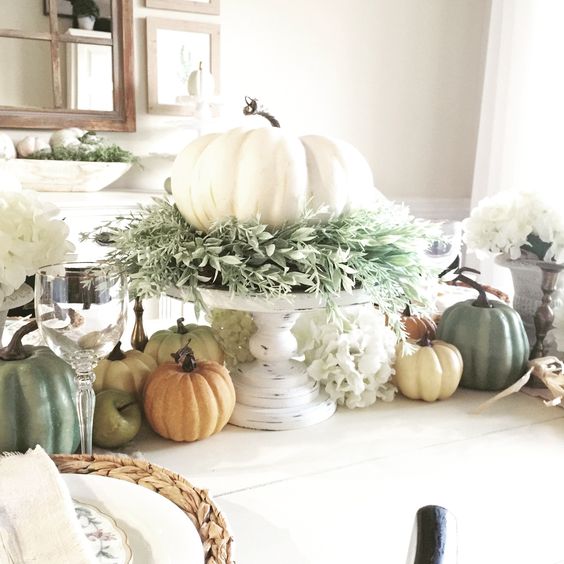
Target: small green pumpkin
(36, 398)
(490, 337)
(165, 343)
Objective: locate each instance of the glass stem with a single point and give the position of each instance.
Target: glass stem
(83, 363)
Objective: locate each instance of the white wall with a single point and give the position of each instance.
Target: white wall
(400, 79)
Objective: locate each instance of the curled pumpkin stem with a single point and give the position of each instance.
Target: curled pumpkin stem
(425, 341)
(482, 299)
(15, 349)
(180, 327)
(117, 353)
(253, 109)
(185, 358)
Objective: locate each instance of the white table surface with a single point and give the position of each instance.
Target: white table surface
(346, 490)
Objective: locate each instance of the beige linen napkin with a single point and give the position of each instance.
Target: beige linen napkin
(37, 520)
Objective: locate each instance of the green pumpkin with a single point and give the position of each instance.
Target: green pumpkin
(491, 339)
(36, 399)
(165, 343)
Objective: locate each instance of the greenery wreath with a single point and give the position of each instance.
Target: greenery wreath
(377, 250)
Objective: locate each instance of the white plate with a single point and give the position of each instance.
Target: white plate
(157, 530)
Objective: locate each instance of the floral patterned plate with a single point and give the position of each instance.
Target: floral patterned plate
(108, 541)
(156, 530)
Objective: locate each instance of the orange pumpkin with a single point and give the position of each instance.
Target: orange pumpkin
(418, 326)
(188, 400)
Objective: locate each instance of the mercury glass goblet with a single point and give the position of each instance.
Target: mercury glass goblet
(81, 311)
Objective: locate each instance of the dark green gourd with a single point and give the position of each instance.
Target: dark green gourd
(490, 337)
(36, 398)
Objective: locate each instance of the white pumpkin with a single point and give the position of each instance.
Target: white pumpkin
(67, 137)
(267, 171)
(7, 148)
(31, 144)
(200, 83)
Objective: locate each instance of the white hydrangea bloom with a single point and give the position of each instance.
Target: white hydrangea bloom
(353, 363)
(30, 237)
(502, 223)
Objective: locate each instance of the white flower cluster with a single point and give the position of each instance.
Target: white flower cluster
(353, 363)
(30, 237)
(502, 223)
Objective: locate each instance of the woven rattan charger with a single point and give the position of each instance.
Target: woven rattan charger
(195, 502)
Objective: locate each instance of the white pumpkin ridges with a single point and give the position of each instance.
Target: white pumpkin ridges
(448, 355)
(268, 172)
(281, 190)
(334, 165)
(182, 179)
(220, 164)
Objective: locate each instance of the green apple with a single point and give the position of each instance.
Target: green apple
(117, 418)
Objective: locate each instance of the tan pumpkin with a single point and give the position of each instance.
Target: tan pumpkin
(165, 343)
(188, 400)
(417, 326)
(124, 371)
(431, 372)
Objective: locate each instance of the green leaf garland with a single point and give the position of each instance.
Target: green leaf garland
(379, 251)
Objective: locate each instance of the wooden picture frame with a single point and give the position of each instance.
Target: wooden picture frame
(174, 49)
(197, 6)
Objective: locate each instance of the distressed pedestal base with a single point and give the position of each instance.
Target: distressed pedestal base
(277, 396)
(274, 392)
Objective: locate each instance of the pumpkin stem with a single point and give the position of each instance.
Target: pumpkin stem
(482, 300)
(117, 353)
(253, 109)
(425, 341)
(181, 330)
(185, 358)
(15, 349)
(407, 311)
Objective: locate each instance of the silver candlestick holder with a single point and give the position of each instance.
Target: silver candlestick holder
(544, 316)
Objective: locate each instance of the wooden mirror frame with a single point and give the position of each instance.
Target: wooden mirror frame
(153, 25)
(122, 118)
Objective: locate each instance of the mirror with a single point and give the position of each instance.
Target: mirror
(56, 74)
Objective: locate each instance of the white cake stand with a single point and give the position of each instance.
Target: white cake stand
(274, 392)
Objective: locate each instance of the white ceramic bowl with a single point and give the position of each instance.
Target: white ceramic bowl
(65, 176)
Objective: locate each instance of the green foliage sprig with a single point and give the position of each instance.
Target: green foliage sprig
(378, 251)
(90, 153)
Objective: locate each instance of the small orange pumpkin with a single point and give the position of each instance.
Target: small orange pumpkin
(418, 326)
(188, 400)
